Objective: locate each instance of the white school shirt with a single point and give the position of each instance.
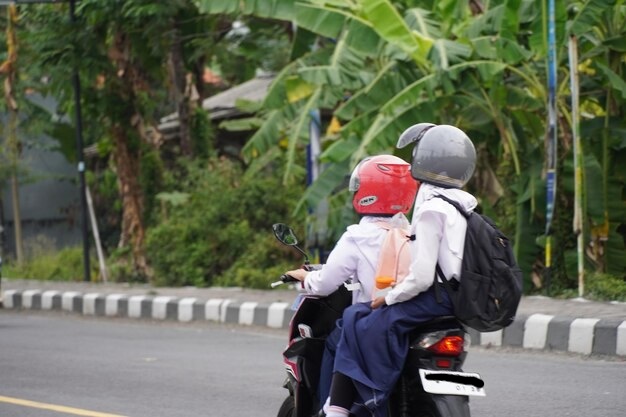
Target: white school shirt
(354, 257)
(439, 231)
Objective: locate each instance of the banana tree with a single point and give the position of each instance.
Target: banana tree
(384, 71)
(389, 65)
(600, 29)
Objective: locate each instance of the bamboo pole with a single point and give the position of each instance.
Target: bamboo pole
(551, 141)
(96, 237)
(577, 223)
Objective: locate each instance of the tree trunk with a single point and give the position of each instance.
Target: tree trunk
(9, 69)
(17, 219)
(182, 92)
(198, 74)
(133, 231)
(126, 156)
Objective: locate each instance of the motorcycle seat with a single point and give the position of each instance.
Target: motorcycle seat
(438, 323)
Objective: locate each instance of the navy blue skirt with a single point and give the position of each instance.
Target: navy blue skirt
(374, 344)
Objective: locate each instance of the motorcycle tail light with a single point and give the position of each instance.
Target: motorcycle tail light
(448, 346)
(443, 363)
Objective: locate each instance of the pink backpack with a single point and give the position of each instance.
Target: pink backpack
(394, 259)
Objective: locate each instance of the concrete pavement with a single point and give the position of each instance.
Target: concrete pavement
(577, 326)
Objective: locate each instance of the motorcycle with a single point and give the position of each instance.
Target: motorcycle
(432, 384)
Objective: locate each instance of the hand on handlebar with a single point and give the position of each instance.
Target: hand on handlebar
(297, 274)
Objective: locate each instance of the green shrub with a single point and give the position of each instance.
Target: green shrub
(598, 287)
(120, 267)
(43, 262)
(263, 263)
(224, 215)
(604, 287)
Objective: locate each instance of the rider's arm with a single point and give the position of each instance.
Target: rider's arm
(339, 267)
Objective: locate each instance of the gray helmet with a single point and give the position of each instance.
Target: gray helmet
(443, 154)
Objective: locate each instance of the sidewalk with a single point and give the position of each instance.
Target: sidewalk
(579, 326)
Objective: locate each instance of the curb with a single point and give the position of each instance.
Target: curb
(587, 336)
(274, 315)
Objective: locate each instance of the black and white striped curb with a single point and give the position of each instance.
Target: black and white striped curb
(587, 336)
(276, 315)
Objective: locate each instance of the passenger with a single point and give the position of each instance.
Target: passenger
(375, 339)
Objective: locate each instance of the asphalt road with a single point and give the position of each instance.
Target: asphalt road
(67, 365)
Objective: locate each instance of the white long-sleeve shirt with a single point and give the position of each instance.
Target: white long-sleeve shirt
(439, 231)
(354, 257)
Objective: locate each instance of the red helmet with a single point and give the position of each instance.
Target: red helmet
(382, 185)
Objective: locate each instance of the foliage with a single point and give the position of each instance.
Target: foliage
(45, 263)
(202, 134)
(132, 59)
(250, 46)
(151, 178)
(120, 269)
(102, 182)
(262, 263)
(199, 238)
(377, 67)
(598, 287)
(604, 287)
(372, 67)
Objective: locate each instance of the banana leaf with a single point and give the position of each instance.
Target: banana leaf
(275, 9)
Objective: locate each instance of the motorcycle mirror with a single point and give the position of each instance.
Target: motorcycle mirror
(285, 234)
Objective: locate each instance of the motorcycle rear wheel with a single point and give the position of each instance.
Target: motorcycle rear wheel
(288, 408)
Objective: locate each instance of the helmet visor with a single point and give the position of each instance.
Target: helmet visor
(413, 134)
(355, 178)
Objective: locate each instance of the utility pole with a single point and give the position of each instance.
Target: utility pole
(81, 162)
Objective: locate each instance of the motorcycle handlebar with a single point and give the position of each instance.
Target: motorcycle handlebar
(284, 278)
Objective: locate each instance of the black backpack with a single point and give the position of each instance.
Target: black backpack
(490, 288)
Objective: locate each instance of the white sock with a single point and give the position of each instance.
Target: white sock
(335, 411)
(326, 405)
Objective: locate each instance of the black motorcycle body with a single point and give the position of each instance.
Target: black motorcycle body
(313, 319)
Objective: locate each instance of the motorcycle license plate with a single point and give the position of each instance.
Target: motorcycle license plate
(452, 383)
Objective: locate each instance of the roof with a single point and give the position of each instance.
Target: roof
(222, 105)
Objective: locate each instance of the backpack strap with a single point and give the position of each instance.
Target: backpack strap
(437, 290)
(455, 204)
(444, 280)
(438, 271)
